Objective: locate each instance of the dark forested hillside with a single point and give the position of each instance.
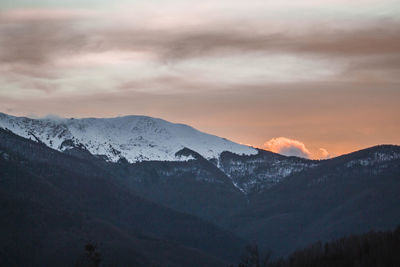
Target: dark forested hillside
(197, 187)
(354, 193)
(53, 203)
(185, 213)
(366, 250)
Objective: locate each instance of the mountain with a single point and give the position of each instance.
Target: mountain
(142, 139)
(350, 194)
(145, 139)
(53, 203)
(282, 203)
(133, 138)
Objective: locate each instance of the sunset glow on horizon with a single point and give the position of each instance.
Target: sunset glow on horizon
(311, 78)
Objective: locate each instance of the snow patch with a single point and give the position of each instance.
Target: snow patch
(377, 157)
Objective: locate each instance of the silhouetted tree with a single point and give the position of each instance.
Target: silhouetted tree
(91, 257)
(252, 257)
(367, 250)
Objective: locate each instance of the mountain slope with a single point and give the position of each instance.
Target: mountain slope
(350, 194)
(134, 138)
(52, 203)
(280, 202)
(256, 173)
(197, 186)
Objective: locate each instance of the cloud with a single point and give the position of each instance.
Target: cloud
(324, 153)
(36, 42)
(287, 147)
(292, 147)
(43, 36)
(379, 38)
(53, 14)
(61, 50)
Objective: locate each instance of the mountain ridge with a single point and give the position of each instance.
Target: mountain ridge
(326, 201)
(142, 138)
(134, 138)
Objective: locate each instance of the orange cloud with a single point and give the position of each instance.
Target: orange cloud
(287, 147)
(324, 153)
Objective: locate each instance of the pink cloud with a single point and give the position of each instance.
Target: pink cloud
(42, 14)
(287, 147)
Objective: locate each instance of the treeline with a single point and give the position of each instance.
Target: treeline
(373, 249)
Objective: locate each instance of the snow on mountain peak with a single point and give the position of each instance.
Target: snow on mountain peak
(135, 138)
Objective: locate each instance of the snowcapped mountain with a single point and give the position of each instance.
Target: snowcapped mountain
(257, 197)
(135, 138)
(141, 138)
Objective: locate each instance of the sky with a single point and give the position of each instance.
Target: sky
(310, 78)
